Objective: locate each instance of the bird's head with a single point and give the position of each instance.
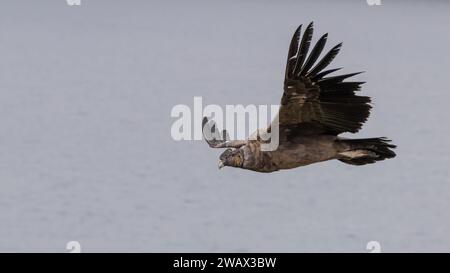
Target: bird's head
(232, 158)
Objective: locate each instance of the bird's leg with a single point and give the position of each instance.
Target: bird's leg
(215, 139)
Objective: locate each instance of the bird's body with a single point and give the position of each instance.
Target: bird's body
(315, 109)
(301, 152)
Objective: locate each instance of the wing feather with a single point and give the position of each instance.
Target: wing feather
(304, 47)
(293, 49)
(325, 60)
(313, 101)
(315, 53)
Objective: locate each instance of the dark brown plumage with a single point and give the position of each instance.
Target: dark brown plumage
(315, 109)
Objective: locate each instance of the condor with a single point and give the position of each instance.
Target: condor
(316, 107)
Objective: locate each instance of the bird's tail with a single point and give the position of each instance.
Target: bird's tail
(366, 150)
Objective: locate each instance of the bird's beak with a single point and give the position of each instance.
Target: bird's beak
(221, 165)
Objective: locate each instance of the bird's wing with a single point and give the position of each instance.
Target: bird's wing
(312, 101)
(216, 139)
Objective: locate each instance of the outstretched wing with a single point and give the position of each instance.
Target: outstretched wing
(312, 101)
(216, 139)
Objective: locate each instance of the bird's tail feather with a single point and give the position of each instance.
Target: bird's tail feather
(366, 150)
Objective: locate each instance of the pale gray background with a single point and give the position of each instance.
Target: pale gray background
(85, 146)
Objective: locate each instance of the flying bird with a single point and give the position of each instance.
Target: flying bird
(316, 107)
